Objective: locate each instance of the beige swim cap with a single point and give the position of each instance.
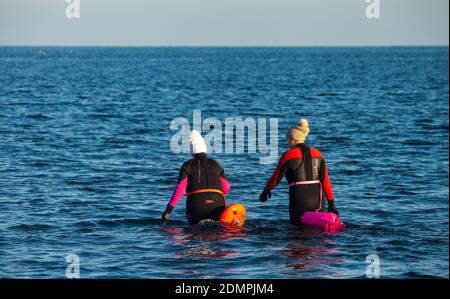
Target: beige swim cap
(298, 132)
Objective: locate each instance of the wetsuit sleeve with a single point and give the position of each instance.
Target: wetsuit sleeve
(225, 185)
(221, 171)
(223, 179)
(180, 188)
(277, 175)
(325, 180)
(182, 174)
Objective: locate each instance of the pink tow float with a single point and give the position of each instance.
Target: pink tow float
(325, 220)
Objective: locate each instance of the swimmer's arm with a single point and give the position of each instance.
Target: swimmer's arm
(225, 185)
(325, 180)
(178, 193)
(277, 175)
(223, 179)
(179, 190)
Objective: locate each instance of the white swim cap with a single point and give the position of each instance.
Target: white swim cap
(198, 144)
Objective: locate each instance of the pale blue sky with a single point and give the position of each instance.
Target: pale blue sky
(224, 23)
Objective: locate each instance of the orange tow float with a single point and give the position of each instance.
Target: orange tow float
(234, 215)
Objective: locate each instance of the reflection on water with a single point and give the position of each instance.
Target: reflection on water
(310, 250)
(198, 240)
(304, 251)
(303, 259)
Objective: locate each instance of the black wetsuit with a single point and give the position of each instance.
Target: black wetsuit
(203, 173)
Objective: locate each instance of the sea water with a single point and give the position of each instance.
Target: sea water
(86, 167)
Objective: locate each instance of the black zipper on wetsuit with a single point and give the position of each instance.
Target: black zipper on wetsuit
(206, 173)
(198, 166)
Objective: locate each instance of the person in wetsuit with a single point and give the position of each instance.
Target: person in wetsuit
(306, 173)
(204, 182)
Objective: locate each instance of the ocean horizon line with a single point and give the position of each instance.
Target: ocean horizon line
(223, 46)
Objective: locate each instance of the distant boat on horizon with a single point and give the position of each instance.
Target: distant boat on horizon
(42, 53)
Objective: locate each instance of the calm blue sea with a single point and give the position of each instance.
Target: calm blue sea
(86, 165)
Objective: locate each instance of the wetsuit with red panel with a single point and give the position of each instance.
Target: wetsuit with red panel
(306, 173)
(203, 180)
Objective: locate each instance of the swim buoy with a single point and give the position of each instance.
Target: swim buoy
(234, 215)
(328, 221)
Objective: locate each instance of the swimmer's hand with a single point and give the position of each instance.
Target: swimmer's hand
(332, 207)
(165, 217)
(166, 214)
(265, 195)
